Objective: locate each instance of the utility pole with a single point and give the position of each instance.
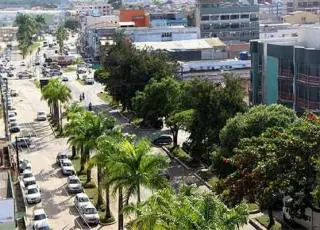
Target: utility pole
(17, 155)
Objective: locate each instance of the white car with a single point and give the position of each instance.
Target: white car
(12, 114)
(61, 156)
(12, 119)
(81, 199)
(89, 80)
(40, 219)
(74, 184)
(27, 174)
(33, 195)
(41, 116)
(67, 167)
(29, 181)
(65, 78)
(89, 214)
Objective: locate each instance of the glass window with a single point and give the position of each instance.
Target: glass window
(205, 18)
(224, 17)
(214, 17)
(206, 27)
(244, 16)
(235, 16)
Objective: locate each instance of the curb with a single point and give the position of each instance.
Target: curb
(255, 225)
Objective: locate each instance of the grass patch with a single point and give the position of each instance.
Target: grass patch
(70, 69)
(180, 154)
(36, 83)
(136, 121)
(253, 207)
(264, 220)
(105, 97)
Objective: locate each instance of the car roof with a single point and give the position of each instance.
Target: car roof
(165, 135)
(32, 186)
(32, 178)
(89, 205)
(27, 171)
(66, 160)
(79, 195)
(39, 211)
(73, 177)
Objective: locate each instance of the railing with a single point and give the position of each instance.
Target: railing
(313, 80)
(285, 73)
(307, 104)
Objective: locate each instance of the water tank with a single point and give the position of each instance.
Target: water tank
(244, 55)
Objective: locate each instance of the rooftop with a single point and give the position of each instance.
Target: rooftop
(193, 44)
(5, 187)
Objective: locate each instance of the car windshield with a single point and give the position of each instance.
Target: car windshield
(62, 156)
(33, 191)
(67, 164)
(40, 217)
(27, 175)
(74, 181)
(41, 113)
(90, 211)
(83, 199)
(30, 183)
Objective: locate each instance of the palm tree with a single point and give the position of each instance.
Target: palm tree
(132, 168)
(56, 94)
(61, 35)
(168, 210)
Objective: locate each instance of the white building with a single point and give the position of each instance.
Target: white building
(95, 9)
(144, 34)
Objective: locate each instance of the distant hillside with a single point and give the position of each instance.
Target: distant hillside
(28, 2)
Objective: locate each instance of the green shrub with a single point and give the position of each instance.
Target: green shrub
(180, 154)
(213, 181)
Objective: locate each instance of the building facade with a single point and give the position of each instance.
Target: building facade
(95, 9)
(301, 17)
(303, 5)
(228, 21)
(161, 34)
(287, 71)
(139, 17)
(168, 19)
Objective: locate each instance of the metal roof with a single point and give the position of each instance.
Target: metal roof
(193, 44)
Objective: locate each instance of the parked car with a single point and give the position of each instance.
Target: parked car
(29, 181)
(163, 140)
(74, 184)
(65, 78)
(33, 195)
(11, 67)
(12, 119)
(23, 142)
(14, 127)
(55, 72)
(40, 219)
(10, 74)
(89, 80)
(22, 64)
(89, 214)
(41, 116)
(12, 114)
(81, 199)
(61, 156)
(13, 93)
(24, 74)
(67, 167)
(24, 165)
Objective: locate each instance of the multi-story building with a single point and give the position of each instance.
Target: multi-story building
(287, 71)
(145, 34)
(139, 17)
(94, 9)
(301, 17)
(303, 5)
(165, 19)
(227, 21)
(272, 12)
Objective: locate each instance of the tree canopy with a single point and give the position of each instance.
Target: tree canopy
(72, 24)
(130, 70)
(61, 35)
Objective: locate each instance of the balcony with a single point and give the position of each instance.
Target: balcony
(306, 104)
(285, 73)
(310, 80)
(285, 96)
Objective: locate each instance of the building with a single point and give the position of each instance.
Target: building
(8, 33)
(165, 19)
(287, 70)
(227, 21)
(279, 30)
(139, 17)
(7, 202)
(303, 5)
(89, 21)
(272, 12)
(94, 9)
(301, 17)
(144, 34)
(189, 50)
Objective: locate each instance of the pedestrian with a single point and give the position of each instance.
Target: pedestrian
(90, 107)
(83, 95)
(80, 97)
